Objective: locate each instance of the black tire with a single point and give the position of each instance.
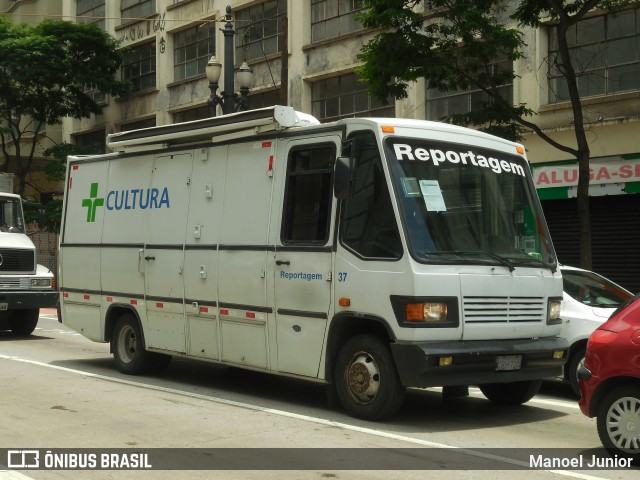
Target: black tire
(366, 380)
(127, 346)
(619, 422)
(572, 366)
(513, 393)
(23, 322)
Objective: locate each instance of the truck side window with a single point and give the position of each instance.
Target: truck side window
(307, 205)
(368, 225)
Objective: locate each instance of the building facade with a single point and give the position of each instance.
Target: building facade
(38, 185)
(304, 53)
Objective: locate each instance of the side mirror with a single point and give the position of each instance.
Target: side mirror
(344, 178)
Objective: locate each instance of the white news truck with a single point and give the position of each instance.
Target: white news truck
(25, 286)
(368, 254)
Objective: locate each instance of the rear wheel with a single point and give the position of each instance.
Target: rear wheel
(23, 322)
(619, 422)
(512, 393)
(127, 346)
(366, 380)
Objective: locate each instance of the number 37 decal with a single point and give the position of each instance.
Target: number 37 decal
(342, 276)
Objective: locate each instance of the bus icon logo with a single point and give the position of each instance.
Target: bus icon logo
(23, 459)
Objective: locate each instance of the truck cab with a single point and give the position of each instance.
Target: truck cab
(25, 286)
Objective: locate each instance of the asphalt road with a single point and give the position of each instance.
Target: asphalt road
(61, 393)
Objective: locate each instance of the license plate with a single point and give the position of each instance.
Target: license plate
(508, 362)
(4, 306)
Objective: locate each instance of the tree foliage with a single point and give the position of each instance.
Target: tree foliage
(453, 46)
(46, 71)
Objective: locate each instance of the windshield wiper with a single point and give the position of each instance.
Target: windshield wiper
(530, 259)
(504, 261)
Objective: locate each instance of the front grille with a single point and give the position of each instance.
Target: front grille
(17, 260)
(21, 283)
(479, 310)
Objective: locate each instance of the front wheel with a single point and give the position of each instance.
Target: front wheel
(367, 383)
(512, 393)
(127, 346)
(574, 363)
(23, 322)
(619, 422)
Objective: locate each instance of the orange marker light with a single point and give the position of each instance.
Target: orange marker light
(520, 149)
(344, 302)
(388, 129)
(415, 312)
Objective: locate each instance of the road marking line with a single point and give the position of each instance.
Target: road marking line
(306, 418)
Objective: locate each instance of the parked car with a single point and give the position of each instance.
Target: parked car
(589, 300)
(610, 381)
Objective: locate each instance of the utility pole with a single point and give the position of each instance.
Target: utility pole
(284, 63)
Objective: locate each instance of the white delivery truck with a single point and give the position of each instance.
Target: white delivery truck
(368, 254)
(25, 286)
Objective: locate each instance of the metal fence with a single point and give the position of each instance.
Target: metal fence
(47, 249)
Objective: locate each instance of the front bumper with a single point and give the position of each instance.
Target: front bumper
(475, 362)
(22, 300)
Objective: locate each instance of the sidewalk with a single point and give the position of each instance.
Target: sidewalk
(49, 311)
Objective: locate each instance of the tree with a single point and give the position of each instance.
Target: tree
(454, 47)
(46, 71)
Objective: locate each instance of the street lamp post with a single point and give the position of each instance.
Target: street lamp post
(228, 100)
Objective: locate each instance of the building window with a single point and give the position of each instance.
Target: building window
(345, 96)
(138, 124)
(332, 18)
(139, 66)
(99, 97)
(133, 10)
(258, 30)
(265, 99)
(462, 101)
(91, 142)
(91, 11)
(197, 113)
(192, 49)
(605, 51)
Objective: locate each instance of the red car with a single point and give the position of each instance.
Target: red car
(610, 381)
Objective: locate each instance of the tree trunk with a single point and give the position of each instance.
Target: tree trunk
(584, 213)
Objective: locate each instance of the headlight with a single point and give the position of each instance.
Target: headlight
(40, 283)
(427, 312)
(553, 314)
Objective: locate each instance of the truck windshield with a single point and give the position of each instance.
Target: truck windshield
(464, 204)
(11, 219)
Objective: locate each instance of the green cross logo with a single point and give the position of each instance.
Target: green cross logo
(92, 203)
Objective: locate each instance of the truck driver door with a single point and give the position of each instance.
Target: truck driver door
(302, 258)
